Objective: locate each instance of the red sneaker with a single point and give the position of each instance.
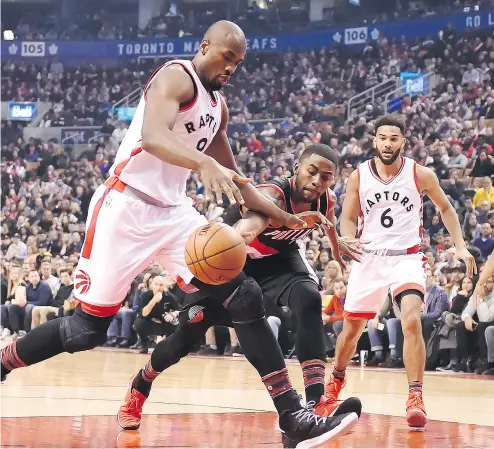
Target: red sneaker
(130, 413)
(325, 408)
(416, 414)
(333, 388)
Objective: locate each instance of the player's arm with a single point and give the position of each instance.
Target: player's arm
(351, 207)
(251, 223)
(220, 150)
(172, 87)
(428, 183)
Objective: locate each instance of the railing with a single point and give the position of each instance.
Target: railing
(358, 102)
(129, 100)
(427, 82)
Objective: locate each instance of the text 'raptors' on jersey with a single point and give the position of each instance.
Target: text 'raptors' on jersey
(390, 212)
(197, 123)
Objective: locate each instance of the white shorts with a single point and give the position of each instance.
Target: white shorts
(371, 279)
(123, 234)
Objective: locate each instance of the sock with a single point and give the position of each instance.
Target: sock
(262, 350)
(415, 385)
(280, 389)
(313, 372)
(394, 353)
(145, 378)
(339, 373)
(379, 353)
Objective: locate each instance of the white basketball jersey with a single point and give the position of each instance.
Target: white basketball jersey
(196, 124)
(390, 212)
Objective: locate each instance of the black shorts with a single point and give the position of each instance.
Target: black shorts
(206, 308)
(278, 274)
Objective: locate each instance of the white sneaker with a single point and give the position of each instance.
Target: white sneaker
(22, 333)
(5, 334)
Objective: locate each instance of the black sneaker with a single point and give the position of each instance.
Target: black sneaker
(482, 366)
(375, 360)
(304, 429)
(3, 373)
(207, 350)
(488, 372)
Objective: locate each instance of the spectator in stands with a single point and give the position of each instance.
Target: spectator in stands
(436, 302)
(120, 330)
(62, 304)
(17, 250)
(485, 193)
(158, 314)
(47, 276)
(471, 227)
(333, 313)
(483, 305)
(484, 242)
(331, 273)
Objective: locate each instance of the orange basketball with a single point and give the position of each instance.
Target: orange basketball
(215, 253)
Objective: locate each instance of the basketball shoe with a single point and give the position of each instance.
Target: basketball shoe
(130, 412)
(304, 429)
(326, 408)
(416, 414)
(332, 389)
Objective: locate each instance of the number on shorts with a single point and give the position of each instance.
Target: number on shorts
(386, 220)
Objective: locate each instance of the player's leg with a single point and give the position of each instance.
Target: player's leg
(242, 298)
(367, 288)
(194, 322)
(304, 300)
(106, 268)
(408, 292)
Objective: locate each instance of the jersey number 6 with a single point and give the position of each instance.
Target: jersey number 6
(386, 220)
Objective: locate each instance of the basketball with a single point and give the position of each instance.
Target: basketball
(215, 253)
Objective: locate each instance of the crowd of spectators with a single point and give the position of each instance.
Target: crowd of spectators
(45, 193)
(109, 20)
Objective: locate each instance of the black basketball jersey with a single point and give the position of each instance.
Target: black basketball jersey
(282, 239)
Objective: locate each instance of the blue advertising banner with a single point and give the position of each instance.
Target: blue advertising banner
(414, 83)
(23, 111)
(186, 47)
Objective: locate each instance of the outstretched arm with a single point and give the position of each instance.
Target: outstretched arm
(220, 150)
(428, 183)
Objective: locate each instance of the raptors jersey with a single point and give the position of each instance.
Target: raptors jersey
(390, 212)
(197, 123)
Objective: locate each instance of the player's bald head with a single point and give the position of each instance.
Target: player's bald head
(222, 50)
(224, 30)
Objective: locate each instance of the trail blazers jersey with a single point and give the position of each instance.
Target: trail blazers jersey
(278, 240)
(390, 212)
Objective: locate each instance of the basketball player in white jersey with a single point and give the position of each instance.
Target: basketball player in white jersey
(142, 213)
(385, 195)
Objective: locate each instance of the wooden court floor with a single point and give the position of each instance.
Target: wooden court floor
(71, 401)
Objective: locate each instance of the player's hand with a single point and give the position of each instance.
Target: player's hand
(351, 247)
(312, 218)
(218, 180)
(293, 222)
(248, 237)
(464, 254)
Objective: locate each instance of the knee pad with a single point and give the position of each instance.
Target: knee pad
(81, 332)
(246, 306)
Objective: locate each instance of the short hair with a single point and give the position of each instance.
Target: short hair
(390, 120)
(339, 279)
(33, 270)
(66, 270)
(321, 150)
